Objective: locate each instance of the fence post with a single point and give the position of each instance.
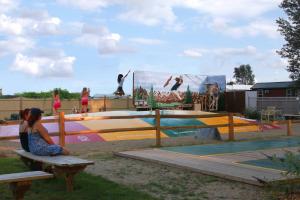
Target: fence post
(289, 127)
(21, 103)
(127, 102)
(62, 133)
(104, 106)
(157, 122)
(230, 127)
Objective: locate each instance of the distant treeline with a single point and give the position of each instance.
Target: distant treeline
(63, 93)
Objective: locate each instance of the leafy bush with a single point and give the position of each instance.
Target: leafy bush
(288, 189)
(63, 93)
(14, 116)
(251, 114)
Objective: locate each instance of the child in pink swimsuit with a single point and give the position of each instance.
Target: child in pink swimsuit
(85, 99)
(56, 104)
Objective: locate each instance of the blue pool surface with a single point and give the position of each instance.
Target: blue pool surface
(234, 147)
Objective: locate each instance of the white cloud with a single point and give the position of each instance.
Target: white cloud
(221, 52)
(10, 25)
(46, 64)
(30, 23)
(8, 5)
(15, 45)
(157, 12)
(255, 28)
(271, 59)
(150, 13)
(246, 51)
(86, 5)
(231, 9)
(194, 53)
(146, 41)
(102, 39)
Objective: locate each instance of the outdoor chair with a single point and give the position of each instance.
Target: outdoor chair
(270, 113)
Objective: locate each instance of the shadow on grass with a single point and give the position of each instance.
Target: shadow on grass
(86, 187)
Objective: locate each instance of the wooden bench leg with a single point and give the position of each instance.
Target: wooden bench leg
(69, 177)
(19, 188)
(69, 173)
(31, 164)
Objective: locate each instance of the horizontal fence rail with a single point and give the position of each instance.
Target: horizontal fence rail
(157, 116)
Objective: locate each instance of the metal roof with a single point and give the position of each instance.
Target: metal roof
(238, 87)
(274, 85)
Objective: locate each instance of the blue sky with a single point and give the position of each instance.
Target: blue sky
(74, 44)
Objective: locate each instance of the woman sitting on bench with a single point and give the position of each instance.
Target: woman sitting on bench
(23, 133)
(39, 141)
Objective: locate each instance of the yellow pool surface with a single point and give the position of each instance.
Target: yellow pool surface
(150, 122)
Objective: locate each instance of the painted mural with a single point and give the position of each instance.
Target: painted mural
(156, 89)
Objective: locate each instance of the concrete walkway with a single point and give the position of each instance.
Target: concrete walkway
(222, 165)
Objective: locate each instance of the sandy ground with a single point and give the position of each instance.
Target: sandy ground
(158, 180)
(170, 183)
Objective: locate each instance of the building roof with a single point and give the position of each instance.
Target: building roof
(274, 85)
(238, 87)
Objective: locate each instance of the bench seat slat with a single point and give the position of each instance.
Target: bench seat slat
(24, 176)
(55, 160)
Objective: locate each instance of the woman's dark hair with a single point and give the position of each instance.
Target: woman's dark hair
(84, 90)
(120, 76)
(24, 113)
(34, 115)
(55, 92)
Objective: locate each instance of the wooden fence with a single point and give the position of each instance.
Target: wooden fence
(105, 103)
(61, 119)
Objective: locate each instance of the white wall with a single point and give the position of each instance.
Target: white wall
(250, 98)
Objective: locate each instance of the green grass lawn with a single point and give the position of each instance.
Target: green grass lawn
(87, 187)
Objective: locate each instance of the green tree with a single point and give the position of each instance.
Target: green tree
(290, 29)
(63, 93)
(244, 75)
(188, 98)
(151, 99)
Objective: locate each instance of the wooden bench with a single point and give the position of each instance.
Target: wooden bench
(20, 182)
(291, 116)
(68, 166)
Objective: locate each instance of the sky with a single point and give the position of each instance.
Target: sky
(74, 44)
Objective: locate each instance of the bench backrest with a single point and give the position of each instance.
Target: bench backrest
(24, 176)
(55, 160)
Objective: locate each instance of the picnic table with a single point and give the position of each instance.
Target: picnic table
(68, 166)
(291, 116)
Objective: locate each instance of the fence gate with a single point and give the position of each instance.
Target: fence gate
(235, 101)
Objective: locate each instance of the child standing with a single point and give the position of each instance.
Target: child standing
(56, 100)
(85, 99)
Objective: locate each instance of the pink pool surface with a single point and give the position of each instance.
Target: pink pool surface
(13, 130)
